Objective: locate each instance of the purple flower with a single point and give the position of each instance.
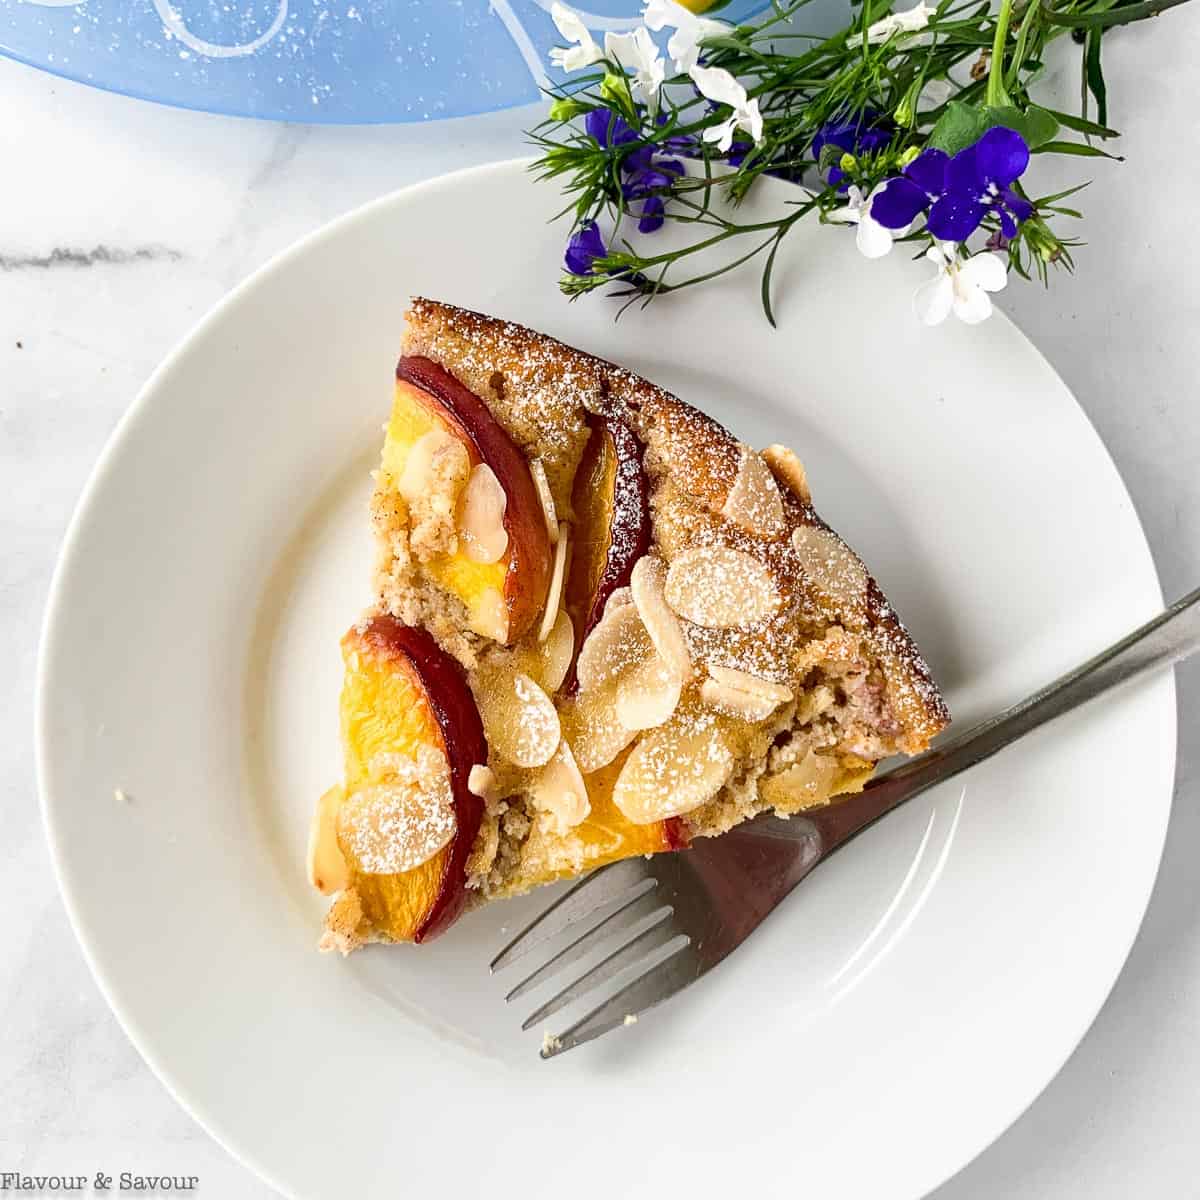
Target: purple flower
(738, 151)
(900, 200)
(609, 128)
(978, 179)
(861, 134)
(647, 177)
(586, 245)
(959, 192)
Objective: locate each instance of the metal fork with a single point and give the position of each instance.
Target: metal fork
(684, 912)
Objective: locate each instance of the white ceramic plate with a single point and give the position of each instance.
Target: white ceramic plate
(901, 1010)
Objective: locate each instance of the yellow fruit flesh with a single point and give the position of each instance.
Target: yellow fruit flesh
(475, 584)
(604, 835)
(384, 712)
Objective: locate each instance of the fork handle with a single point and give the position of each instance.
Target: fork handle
(1168, 638)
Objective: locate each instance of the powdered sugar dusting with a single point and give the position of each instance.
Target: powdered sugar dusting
(402, 818)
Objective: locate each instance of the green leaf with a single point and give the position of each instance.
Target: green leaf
(1095, 76)
(1078, 148)
(1113, 16)
(1080, 125)
(1036, 125)
(960, 126)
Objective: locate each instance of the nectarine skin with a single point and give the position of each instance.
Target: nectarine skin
(445, 687)
(529, 557)
(611, 499)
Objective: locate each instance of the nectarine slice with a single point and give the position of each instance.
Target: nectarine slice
(611, 501)
(403, 692)
(503, 597)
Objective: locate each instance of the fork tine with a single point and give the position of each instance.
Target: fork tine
(641, 906)
(632, 951)
(657, 983)
(589, 894)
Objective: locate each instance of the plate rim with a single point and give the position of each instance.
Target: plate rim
(56, 600)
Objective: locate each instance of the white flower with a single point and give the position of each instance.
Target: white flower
(690, 30)
(960, 286)
(718, 85)
(873, 240)
(912, 20)
(637, 52)
(571, 26)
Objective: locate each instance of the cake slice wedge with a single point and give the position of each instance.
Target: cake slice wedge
(602, 627)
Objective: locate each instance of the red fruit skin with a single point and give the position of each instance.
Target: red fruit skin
(675, 834)
(529, 557)
(630, 526)
(445, 686)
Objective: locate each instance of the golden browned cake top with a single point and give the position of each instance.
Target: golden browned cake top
(541, 391)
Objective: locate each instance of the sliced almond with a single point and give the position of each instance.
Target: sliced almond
(481, 516)
(789, 469)
(554, 595)
(736, 703)
(720, 588)
(647, 694)
(802, 785)
(647, 586)
(560, 791)
(831, 566)
(327, 869)
(489, 615)
(590, 724)
(437, 465)
(672, 771)
(556, 652)
(620, 597)
(519, 719)
(542, 486)
(619, 642)
(745, 682)
(754, 502)
(402, 822)
(482, 782)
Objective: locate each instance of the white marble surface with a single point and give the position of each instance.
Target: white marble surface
(121, 223)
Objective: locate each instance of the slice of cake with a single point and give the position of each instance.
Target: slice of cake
(604, 627)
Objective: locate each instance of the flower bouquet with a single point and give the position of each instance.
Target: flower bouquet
(916, 128)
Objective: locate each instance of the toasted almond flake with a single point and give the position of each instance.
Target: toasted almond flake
(736, 703)
(720, 588)
(519, 719)
(831, 566)
(556, 652)
(590, 724)
(788, 468)
(404, 820)
(745, 682)
(647, 693)
(554, 595)
(327, 869)
(754, 502)
(672, 770)
(435, 456)
(618, 599)
(618, 642)
(647, 586)
(481, 516)
(489, 615)
(559, 790)
(482, 782)
(542, 486)
(802, 785)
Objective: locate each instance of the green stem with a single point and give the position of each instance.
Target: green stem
(997, 97)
